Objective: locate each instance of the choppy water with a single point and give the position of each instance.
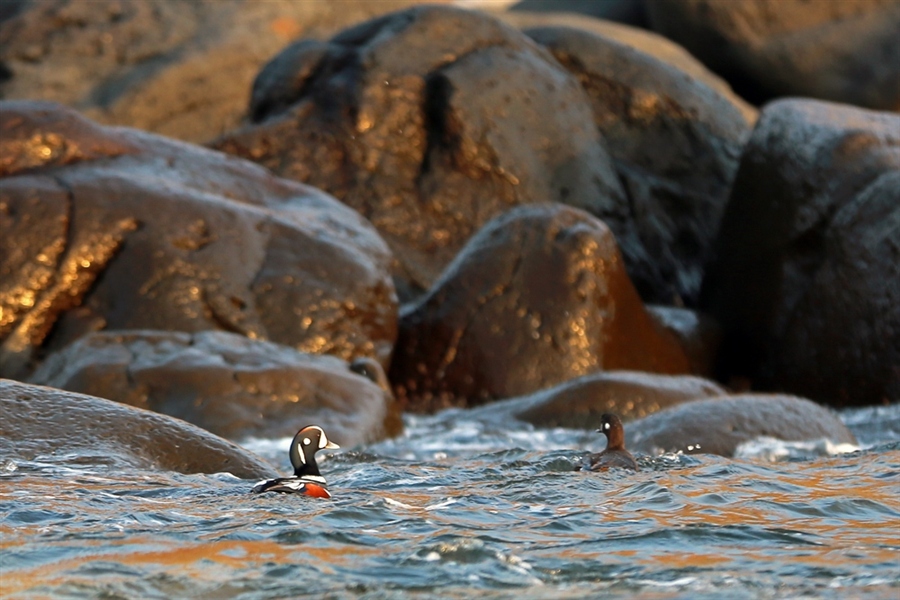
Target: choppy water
(460, 508)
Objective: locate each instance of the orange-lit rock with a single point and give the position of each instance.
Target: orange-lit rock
(429, 121)
(114, 228)
(675, 133)
(228, 384)
(538, 296)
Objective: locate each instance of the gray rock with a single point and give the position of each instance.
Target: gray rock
(720, 425)
(844, 51)
(179, 68)
(675, 136)
(537, 297)
(228, 384)
(39, 421)
(429, 121)
(107, 228)
(579, 403)
(806, 280)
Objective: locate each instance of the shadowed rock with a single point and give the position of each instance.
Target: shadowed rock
(114, 228)
(675, 135)
(845, 51)
(806, 281)
(228, 384)
(430, 121)
(41, 421)
(720, 425)
(579, 403)
(537, 297)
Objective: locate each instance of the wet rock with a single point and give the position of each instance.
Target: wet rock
(699, 334)
(844, 51)
(41, 421)
(176, 67)
(720, 425)
(579, 403)
(675, 136)
(430, 121)
(228, 384)
(105, 228)
(806, 282)
(537, 297)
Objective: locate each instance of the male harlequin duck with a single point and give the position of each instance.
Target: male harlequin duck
(615, 454)
(306, 480)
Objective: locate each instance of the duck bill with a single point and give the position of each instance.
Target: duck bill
(331, 445)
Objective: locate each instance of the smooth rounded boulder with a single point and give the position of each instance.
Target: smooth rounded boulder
(675, 133)
(112, 228)
(538, 296)
(806, 276)
(228, 384)
(719, 425)
(429, 122)
(42, 421)
(579, 403)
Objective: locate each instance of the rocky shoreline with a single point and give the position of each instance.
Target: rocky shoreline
(551, 215)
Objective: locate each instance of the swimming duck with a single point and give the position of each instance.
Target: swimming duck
(615, 454)
(306, 480)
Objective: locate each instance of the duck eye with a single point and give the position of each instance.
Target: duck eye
(306, 441)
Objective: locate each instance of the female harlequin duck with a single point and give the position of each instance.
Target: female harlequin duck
(615, 454)
(306, 480)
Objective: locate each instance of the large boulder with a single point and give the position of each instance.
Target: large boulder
(114, 228)
(806, 280)
(537, 297)
(579, 403)
(719, 425)
(840, 50)
(430, 121)
(228, 384)
(41, 421)
(179, 68)
(675, 134)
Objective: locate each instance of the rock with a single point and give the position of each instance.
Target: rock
(429, 121)
(41, 421)
(180, 68)
(675, 136)
(631, 12)
(720, 425)
(699, 334)
(228, 384)
(537, 297)
(106, 228)
(806, 281)
(843, 51)
(580, 402)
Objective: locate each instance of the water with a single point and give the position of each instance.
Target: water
(460, 508)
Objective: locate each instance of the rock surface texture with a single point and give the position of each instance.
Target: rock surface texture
(579, 403)
(537, 297)
(675, 133)
(429, 122)
(228, 384)
(106, 228)
(806, 282)
(40, 421)
(842, 50)
(720, 425)
(180, 68)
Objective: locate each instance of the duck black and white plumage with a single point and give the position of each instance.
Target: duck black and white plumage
(615, 454)
(306, 480)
